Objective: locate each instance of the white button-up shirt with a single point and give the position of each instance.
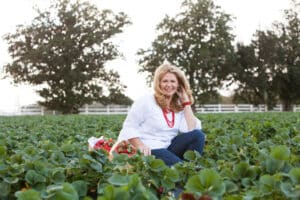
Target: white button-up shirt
(146, 121)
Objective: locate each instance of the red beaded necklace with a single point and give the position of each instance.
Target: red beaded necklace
(169, 122)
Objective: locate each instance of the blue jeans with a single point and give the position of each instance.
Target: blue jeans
(193, 140)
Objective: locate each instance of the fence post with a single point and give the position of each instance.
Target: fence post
(86, 109)
(280, 107)
(42, 111)
(219, 108)
(107, 109)
(236, 108)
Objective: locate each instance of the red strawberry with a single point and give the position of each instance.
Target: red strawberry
(187, 196)
(160, 190)
(205, 197)
(99, 144)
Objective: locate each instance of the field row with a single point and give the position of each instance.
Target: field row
(247, 156)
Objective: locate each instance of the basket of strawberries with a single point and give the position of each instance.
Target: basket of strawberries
(110, 146)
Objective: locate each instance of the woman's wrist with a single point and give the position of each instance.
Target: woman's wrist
(186, 103)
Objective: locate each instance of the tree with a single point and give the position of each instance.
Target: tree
(198, 40)
(287, 81)
(64, 50)
(269, 68)
(254, 78)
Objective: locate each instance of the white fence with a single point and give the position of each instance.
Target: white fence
(117, 109)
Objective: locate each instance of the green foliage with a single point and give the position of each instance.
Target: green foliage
(208, 182)
(247, 156)
(267, 70)
(28, 195)
(199, 41)
(131, 188)
(294, 175)
(64, 50)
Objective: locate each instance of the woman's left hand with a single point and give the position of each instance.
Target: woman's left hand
(182, 95)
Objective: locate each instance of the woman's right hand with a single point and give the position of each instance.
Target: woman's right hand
(137, 143)
(145, 150)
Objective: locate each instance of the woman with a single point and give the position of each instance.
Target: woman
(164, 124)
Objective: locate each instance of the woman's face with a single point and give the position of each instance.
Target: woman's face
(169, 84)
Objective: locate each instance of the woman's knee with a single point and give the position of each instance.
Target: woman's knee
(198, 135)
(168, 157)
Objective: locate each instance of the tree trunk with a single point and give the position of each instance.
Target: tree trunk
(287, 106)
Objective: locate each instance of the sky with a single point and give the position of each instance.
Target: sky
(250, 15)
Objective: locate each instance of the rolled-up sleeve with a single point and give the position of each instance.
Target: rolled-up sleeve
(133, 121)
(183, 125)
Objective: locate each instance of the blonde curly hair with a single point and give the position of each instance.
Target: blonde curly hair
(160, 98)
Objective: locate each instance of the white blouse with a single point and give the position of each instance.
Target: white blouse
(146, 121)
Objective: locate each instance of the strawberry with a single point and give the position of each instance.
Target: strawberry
(126, 148)
(160, 190)
(187, 196)
(99, 144)
(205, 197)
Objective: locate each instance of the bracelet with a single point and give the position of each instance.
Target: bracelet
(187, 103)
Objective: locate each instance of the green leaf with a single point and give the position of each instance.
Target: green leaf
(58, 176)
(3, 169)
(167, 184)
(16, 169)
(81, 187)
(246, 182)
(28, 195)
(280, 152)
(144, 195)
(58, 156)
(207, 181)
(157, 165)
(122, 193)
(240, 170)
(189, 155)
(290, 191)
(209, 177)
(11, 180)
(267, 183)
(117, 179)
(96, 166)
(88, 157)
(171, 174)
(135, 184)
(230, 186)
(5, 189)
(2, 151)
(294, 174)
(252, 172)
(108, 193)
(32, 177)
(273, 165)
(67, 148)
(67, 192)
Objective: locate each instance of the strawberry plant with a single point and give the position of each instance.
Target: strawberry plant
(247, 156)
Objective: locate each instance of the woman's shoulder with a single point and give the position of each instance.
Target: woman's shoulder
(145, 102)
(148, 98)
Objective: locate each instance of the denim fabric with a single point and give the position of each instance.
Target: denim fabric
(193, 140)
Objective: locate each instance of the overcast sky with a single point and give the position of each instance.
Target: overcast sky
(250, 15)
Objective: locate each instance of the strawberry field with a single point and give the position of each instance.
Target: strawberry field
(247, 156)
